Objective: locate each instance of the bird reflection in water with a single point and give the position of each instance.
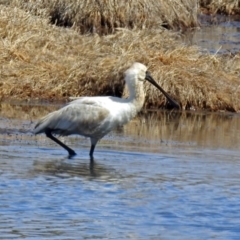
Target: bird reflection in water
(65, 168)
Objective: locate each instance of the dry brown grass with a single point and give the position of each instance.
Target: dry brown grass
(42, 61)
(104, 16)
(230, 7)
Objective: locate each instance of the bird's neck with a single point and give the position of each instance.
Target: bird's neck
(136, 96)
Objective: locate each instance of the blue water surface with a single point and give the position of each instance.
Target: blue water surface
(175, 177)
(124, 195)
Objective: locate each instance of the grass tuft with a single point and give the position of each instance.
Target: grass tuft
(42, 61)
(105, 16)
(229, 7)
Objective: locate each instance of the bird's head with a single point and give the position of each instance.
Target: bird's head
(138, 73)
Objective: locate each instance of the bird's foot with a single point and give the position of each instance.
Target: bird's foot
(91, 158)
(71, 154)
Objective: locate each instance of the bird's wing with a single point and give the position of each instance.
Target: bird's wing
(102, 101)
(78, 117)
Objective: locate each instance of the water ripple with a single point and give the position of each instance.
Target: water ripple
(177, 192)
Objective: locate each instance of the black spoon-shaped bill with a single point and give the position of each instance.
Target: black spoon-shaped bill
(149, 78)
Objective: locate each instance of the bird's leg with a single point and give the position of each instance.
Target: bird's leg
(93, 145)
(91, 152)
(48, 133)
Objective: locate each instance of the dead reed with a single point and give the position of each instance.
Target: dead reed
(41, 61)
(103, 17)
(230, 7)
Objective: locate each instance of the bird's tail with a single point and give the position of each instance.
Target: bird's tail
(44, 123)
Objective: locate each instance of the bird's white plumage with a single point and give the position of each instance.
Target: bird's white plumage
(94, 117)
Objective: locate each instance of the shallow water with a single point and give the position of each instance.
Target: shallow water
(223, 37)
(166, 175)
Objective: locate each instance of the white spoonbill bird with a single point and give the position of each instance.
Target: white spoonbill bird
(94, 117)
